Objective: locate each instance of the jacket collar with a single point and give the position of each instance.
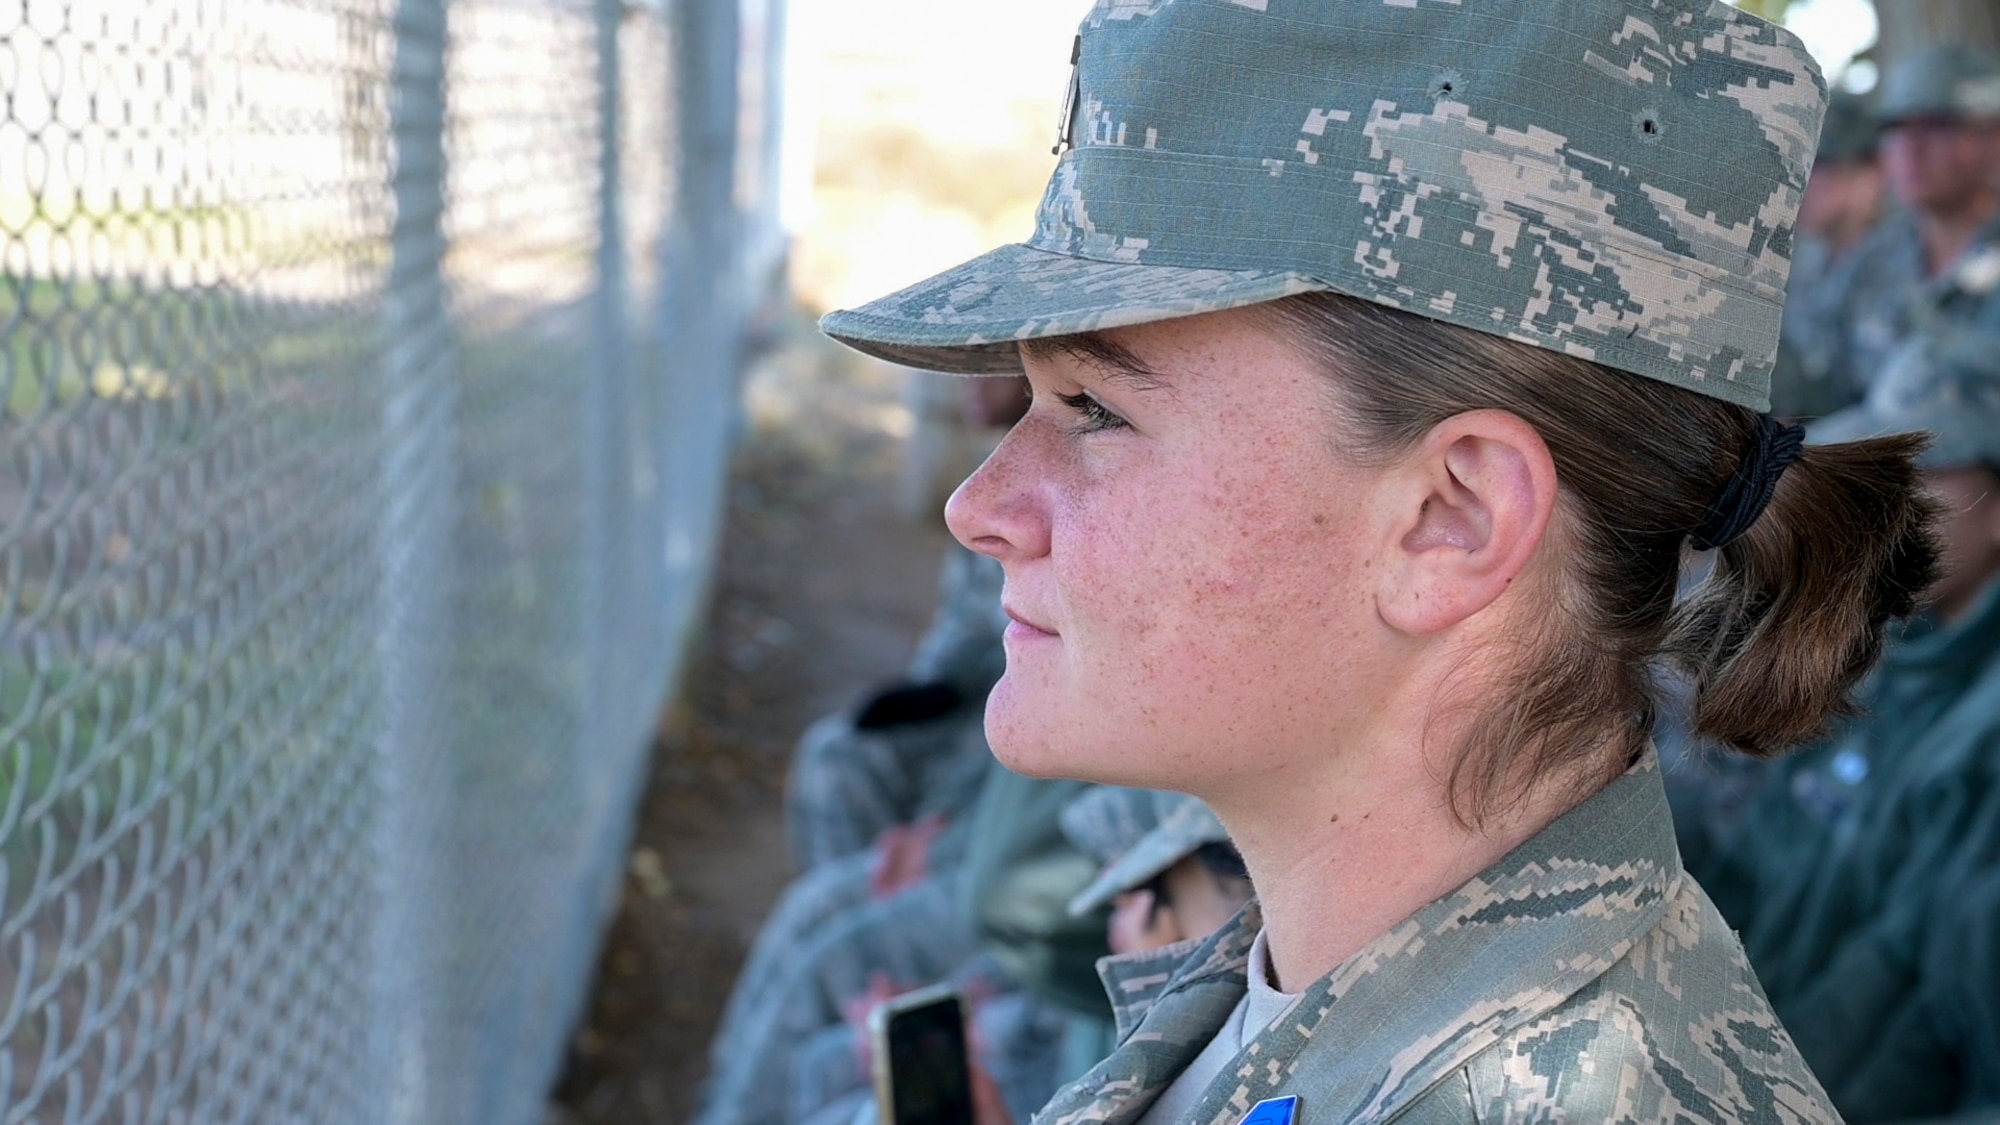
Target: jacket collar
(1420, 1001)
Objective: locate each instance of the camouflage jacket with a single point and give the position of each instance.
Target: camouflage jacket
(1853, 881)
(1584, 977)
(1884, 297)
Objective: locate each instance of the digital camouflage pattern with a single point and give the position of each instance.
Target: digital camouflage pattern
(1584, 977)
(1614, 180)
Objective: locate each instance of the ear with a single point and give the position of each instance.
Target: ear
(1473, 503)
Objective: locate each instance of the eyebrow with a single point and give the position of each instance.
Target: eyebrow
(1114, 361)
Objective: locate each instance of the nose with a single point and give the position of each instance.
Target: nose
(1001, 510)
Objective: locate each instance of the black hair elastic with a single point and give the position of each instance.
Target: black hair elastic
(1749, 489)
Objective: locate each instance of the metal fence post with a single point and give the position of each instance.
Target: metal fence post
(771, 249)
(413, 551)
(604, 390)
(609, 683)
(699, 298)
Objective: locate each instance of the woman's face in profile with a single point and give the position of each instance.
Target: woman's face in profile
(1188, 559)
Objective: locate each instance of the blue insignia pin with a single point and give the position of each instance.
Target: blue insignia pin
(1273, 1111)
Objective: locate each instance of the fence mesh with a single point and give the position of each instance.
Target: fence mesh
(364, 369)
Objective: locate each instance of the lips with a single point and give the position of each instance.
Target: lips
(1025, 622)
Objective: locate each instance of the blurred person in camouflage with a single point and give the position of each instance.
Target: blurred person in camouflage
(987, 911)
(1938, 256)
(908, 878)
(1388, 357)
(1166, 862)
(1842, 203)
(876, 801)
(875, 797)
(1847, 875)
(878, 815)
(1180, 879)
(1955, 1027)
(893, 772)
(844, 935)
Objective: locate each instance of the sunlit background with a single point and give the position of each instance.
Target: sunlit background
(920, 131)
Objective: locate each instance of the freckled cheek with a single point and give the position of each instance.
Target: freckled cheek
(1115, 568)
(1196, 623)
(1271, 568)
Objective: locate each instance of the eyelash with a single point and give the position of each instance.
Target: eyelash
(1096, 416)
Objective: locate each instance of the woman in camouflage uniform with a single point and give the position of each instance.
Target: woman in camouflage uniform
(1388, 356)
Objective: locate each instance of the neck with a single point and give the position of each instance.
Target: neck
(1341, 857)
(1947, 234)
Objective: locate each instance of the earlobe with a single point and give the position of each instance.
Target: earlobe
(1482, 492)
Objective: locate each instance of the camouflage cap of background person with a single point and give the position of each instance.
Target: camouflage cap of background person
(1613, 179)
(1850, 132)
(1183, 825)
(1946, 382)
(1105, 821)
(1955, 81)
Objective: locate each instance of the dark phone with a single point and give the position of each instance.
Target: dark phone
(922, 1073)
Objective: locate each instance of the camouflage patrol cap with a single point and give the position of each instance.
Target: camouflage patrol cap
(1183, 825)
(1106, 821)
(1945, 381)
(1613, 179)
(1953, 80)
(1850, 131)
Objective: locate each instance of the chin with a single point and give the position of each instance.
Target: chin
(1024, 736)
(1032, 734)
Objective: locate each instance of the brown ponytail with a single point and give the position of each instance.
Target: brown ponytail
(1789, 619)
(1793, 612)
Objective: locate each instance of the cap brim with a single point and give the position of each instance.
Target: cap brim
(969, 320)
(1131, 871)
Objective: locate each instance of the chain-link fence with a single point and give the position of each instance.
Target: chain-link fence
(365, 377)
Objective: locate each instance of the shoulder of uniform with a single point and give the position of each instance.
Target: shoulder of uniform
(1677, 1031)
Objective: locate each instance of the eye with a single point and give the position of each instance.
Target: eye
(1095, 415)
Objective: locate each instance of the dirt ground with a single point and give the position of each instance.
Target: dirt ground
(822, 588)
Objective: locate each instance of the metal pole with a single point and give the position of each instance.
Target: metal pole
(413, 552)
(700, 303)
